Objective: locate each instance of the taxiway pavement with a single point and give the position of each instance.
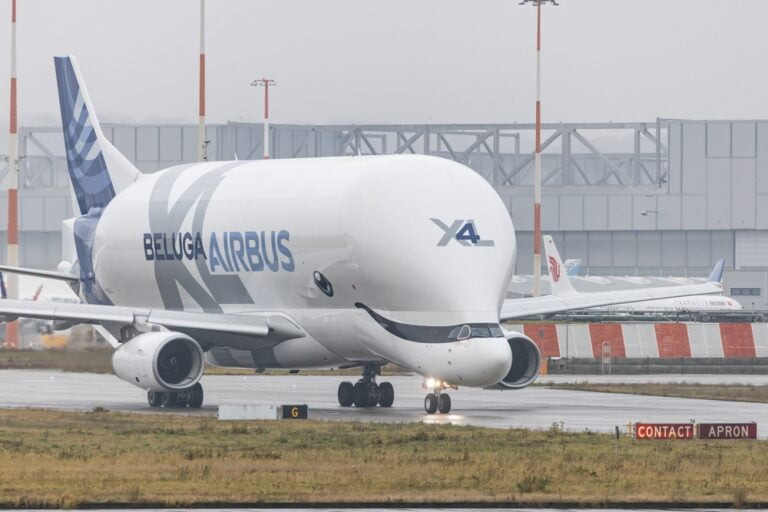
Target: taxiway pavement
(534, 407)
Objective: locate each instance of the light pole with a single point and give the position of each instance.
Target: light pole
(12, 328)
(201, 153)
(266, 83)
(537, 156)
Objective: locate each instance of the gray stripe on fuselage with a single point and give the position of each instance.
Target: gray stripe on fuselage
(262, 358)
(265, 358)
(164, 218)
(222, 357)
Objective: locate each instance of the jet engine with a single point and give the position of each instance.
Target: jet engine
(526, 362)
(159, 361)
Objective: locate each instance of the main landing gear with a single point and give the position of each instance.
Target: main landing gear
(190, 397)
(366, 392)
(436, 400)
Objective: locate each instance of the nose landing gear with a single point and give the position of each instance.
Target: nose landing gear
(437, 399)
(366, 392)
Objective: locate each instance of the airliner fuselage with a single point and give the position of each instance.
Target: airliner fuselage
(340, 245)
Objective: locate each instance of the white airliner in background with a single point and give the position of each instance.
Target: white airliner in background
(560, 284)
(572, 267)
(42, 289)
(297, 263)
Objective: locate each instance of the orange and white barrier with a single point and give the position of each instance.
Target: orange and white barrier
(660, 340)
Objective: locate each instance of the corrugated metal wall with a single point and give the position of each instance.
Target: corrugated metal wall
(712, 202)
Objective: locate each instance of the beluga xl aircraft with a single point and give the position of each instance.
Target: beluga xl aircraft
(296, 263)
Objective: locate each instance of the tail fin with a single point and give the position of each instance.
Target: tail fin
(716, 275)
(96, 168)
(572, 267)
(559, 280)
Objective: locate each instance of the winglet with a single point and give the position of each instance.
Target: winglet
(559, 281)
(716, 276)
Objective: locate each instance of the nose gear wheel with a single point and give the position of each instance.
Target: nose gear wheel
(437, 400)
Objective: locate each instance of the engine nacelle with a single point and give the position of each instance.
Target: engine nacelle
(159, 361)
(526, 362)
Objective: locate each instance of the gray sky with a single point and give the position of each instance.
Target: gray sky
(395, 61)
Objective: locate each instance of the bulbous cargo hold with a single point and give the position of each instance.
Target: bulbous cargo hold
(425, 239)
(422, 241)
(159, 361)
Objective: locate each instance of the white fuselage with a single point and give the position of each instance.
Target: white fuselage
(692, 304)
(267, 236)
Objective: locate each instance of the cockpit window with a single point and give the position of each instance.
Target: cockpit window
(434, 334)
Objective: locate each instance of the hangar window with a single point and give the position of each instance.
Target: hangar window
(754, 292)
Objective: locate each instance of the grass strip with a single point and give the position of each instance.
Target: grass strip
(66, 459)
(730, 392)
(88, 360)
(99, 360)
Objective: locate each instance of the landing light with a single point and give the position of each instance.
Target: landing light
(433, 384)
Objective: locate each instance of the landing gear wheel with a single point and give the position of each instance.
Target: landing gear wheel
(386, 394)
(346, 394)
(360, 394)
(430, 403)
(365, 394)
(183, 397)
(444, 403)
(373, 394)
(170, 399)
(155, 398)
(195, 396)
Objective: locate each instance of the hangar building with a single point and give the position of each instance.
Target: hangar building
(660, 198)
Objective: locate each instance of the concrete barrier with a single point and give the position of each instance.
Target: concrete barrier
(249, 412)
(648, 365)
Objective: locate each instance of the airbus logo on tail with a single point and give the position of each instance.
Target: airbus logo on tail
(464, 232)
(554, 269)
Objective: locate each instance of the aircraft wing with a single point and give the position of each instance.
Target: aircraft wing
(48, 274)
(209, 329)
(517, 308)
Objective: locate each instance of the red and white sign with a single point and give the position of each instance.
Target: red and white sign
(664, 431)
(727, 431)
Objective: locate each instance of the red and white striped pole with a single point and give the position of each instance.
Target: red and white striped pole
(537, 166)
(266, 83)
(12, 283)
(537, 157)
(266, 119)
(201, 156)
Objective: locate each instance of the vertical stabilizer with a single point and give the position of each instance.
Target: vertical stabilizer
(559, 280)
(572, 267)
(96, 169)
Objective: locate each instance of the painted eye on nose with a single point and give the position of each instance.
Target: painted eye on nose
(325, 286)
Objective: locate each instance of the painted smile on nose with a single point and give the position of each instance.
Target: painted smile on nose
(434, 334)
